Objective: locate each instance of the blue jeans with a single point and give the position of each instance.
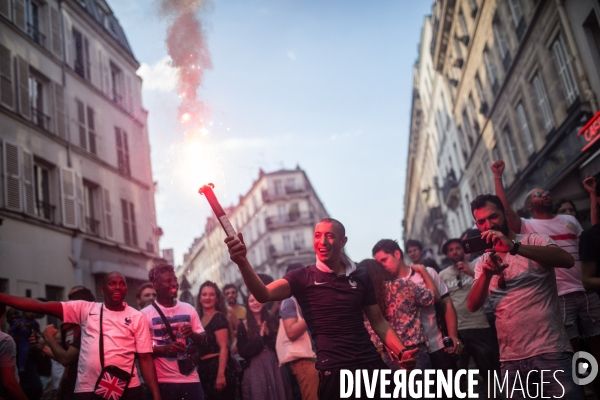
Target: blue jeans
(551, 362)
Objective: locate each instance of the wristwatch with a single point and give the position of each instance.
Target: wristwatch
(515, 248)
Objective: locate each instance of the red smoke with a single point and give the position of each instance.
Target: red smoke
(186, 44)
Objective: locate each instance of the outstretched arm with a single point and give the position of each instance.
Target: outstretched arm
(53, 308)
(277, 290)
(514, 221)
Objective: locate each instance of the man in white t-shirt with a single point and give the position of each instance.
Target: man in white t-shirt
(579, 309)
(125, 335)
(185, 323)
(518, 277)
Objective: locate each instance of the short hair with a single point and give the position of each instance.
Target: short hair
(560, 202)
(142, 287)
(158, 270)
(481, 200)
(2, 309)
(388, 246)
(334, 222)
(414, 243)
(230, 286)
(448, 243)
(82, 293)
(105, 279)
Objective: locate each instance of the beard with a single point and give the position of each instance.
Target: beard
(502, 228)
(544, 208)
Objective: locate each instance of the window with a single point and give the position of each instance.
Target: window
(565, 73)
(116, 84)
(492, 73)
(525, 132)
(278, 187)
(463, 143)
(90, 192)
(283, 214)
(37, 95)
(516, 10)
(41, 178)
(81, 55)
(473, 6)
(479, 88)
(54, 293)
(129, 228)
(32, 14)
(543, 103)
(290, 185)
(472, 108)
(502, 44)
(299, 240)
(287, 242)
(463, 24)
(86, 127)
(122, 151)
(512, 150)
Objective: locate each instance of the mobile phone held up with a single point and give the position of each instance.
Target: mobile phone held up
(475, 244)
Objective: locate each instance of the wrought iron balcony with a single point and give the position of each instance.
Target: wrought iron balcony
(40, 119)
(35, 34)
(45, 210)
(450, 191)
(269, 195)
(92, 226)
(288, 220)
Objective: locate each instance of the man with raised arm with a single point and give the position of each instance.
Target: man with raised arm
(518, 277)
(580, 309)
(125, 335)
(333, 294)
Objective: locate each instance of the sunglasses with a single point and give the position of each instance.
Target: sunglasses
(540, 194)
(458, 282)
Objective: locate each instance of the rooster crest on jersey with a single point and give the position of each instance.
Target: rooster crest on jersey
(110, 387)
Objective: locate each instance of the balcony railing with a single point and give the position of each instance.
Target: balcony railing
(79, 68)
(289, 219)
(45, 210)
(269, 195)
(117, 98)
(40, 119)
(92, 226)
(450, 191)
(34, 33)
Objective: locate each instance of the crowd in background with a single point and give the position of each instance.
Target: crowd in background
(525, 302)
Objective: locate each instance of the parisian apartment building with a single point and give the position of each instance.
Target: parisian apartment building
(510, 79)
(277, 218)
(77, 194)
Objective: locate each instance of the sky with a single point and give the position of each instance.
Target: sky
(325, 85)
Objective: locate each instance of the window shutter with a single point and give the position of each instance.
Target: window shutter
(5, 8)
(28, 193)
(525, 128)
(125, 214)
(7, 97)
(128, 96)
(86, 56)
(565, 73)
(91, 130)
(119, 141)
(490, 68)
(108, 215)
(24, 106)
(516, 11)
(19, 10)
(59, 108)
(106, 76)
(512, 150)
(80, 202)
(126, 153)
(134, 239)
(500, 40)
(55, 30)
(12, 176)
(543, 103)
(81, 124)
(69, 201)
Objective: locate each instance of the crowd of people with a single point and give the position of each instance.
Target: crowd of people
(523, 304)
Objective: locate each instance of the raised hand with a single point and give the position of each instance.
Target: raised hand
(498, 168)
(237, 248)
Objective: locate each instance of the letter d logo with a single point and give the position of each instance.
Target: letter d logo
(589, 365)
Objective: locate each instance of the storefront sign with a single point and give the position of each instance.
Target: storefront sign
(591, 131)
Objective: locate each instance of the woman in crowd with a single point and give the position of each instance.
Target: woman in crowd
(216, 368)
(263, 379)
(565, 206)
(400, 301)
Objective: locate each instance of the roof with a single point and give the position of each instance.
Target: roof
(100, 11)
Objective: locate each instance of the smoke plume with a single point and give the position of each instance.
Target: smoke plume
(188, 49)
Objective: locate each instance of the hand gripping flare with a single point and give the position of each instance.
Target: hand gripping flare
(207, 190)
